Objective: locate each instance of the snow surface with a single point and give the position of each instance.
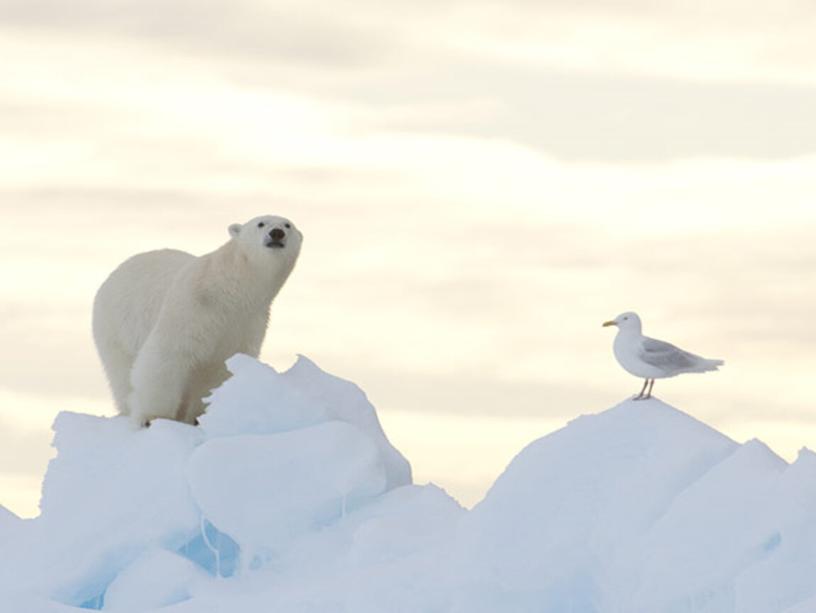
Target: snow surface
(8, 523)
(290, 498)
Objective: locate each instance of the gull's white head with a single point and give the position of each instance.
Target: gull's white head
(628, 321)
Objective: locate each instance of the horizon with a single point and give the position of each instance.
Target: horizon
(479, 190)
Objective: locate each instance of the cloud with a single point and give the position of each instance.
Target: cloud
(240, 29)
(645, 81)
(594, 117)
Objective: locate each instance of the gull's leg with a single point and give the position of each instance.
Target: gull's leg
(640, 395)
(649, 394)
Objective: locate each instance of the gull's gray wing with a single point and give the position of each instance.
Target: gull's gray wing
(666, 356)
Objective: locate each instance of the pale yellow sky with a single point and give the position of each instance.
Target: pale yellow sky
(480, 185)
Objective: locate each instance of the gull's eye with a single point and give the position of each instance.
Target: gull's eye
(261, 224)
(286, 225)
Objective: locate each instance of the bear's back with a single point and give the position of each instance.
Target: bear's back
(127, 304)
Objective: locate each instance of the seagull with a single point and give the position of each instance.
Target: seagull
(650, 358)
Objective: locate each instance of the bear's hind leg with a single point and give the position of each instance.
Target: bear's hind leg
(117, 365)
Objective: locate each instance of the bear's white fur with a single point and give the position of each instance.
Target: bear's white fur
(165, 321)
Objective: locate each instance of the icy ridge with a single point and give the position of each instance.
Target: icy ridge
(289, 497)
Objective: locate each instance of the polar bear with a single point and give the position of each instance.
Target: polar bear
(165, 321)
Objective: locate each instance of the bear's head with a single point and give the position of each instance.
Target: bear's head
(268, 238)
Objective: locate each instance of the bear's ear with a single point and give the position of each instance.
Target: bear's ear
(234, 229)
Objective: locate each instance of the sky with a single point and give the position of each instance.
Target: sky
(479, 184)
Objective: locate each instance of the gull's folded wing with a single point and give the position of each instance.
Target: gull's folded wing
(666, 356)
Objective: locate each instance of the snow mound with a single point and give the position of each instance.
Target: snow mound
(135, 520)
(259, 400)
(110, 494)
(266, 489)
(639, 509)
(290, 498)
(157, 578)
(9, 522)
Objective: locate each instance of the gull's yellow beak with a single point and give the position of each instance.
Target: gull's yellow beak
(609, 323)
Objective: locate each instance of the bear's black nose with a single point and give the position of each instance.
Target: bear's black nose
(277, 234)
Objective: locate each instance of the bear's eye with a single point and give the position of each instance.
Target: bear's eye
(261, 224)
(286, 225)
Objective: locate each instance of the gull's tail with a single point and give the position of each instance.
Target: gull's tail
(705, 365)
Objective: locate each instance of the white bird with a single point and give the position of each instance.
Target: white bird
(650, 358)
